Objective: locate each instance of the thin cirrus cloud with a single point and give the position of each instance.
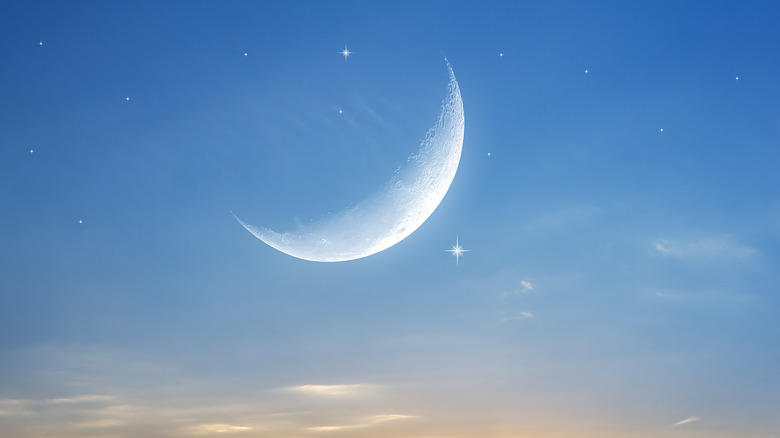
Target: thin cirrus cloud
(69, 417)
(83, 399)
(120, 416)
(97, 424)
(525, 287)
(16, 407)
(522, 316)
(135, 406)
(10, 407)
(371, 421)
(705, 247)
(333, 390)
(562, 219)
(687, 421)
(207, 429)
(131, 412)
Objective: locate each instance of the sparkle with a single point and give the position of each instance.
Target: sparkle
(40, 43)
(340, 111)
(246, 54)
(81, 221)
(127, 99)
(489, 154)
(345, 53)
(586, 71)
(661, 130)
(31, 151)
(737, 78)
(501, 55)
(457, 250)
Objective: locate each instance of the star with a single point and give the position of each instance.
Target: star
(345, 52)
(457, 250)
(340, 111)
(489, 154)
(737, 78)
(127, 99)
(40, 43)
(586, 71)
(81, 221)
(31, 151)
(501, 55)
(245, 54)
(662, 129)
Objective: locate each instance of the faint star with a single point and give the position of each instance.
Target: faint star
(457, 250)
(245, 54)
(737, 78)
(489, 154)
(340, 111)
(81, 221)
(501, 55)
(40, 43)
(127, 99)
(31, 151)
(662, 129)
(586, 71)
(345, 52)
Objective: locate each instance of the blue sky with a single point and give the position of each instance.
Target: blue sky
(623, 233)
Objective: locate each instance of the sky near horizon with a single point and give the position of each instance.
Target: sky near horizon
(617, 194)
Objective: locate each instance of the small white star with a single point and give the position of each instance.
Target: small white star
(31, 151)
(489, 154)
(81, 221)
(737, 78)
(40, 43)
(340, 111)
(457, 250)
(586, 71)
(501, 55)
(245, 54)
(661, 130)
(345, 52)
(127, 99)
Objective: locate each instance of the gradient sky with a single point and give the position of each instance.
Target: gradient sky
(623, 224)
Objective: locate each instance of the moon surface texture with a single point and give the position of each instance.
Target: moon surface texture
(392, 213)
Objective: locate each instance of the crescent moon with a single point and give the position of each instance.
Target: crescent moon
(396, 210)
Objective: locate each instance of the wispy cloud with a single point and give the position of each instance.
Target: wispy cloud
(17, 407)
(706, 294)
(525, 287)
(107, 422)
(83, 399)
(14, 407)
(332, 390)
(376, 419)
(103, 394)
(207, 429)
(704, 247)
(563, 219)
(667, 296)
(523, 315)
(687, 421)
